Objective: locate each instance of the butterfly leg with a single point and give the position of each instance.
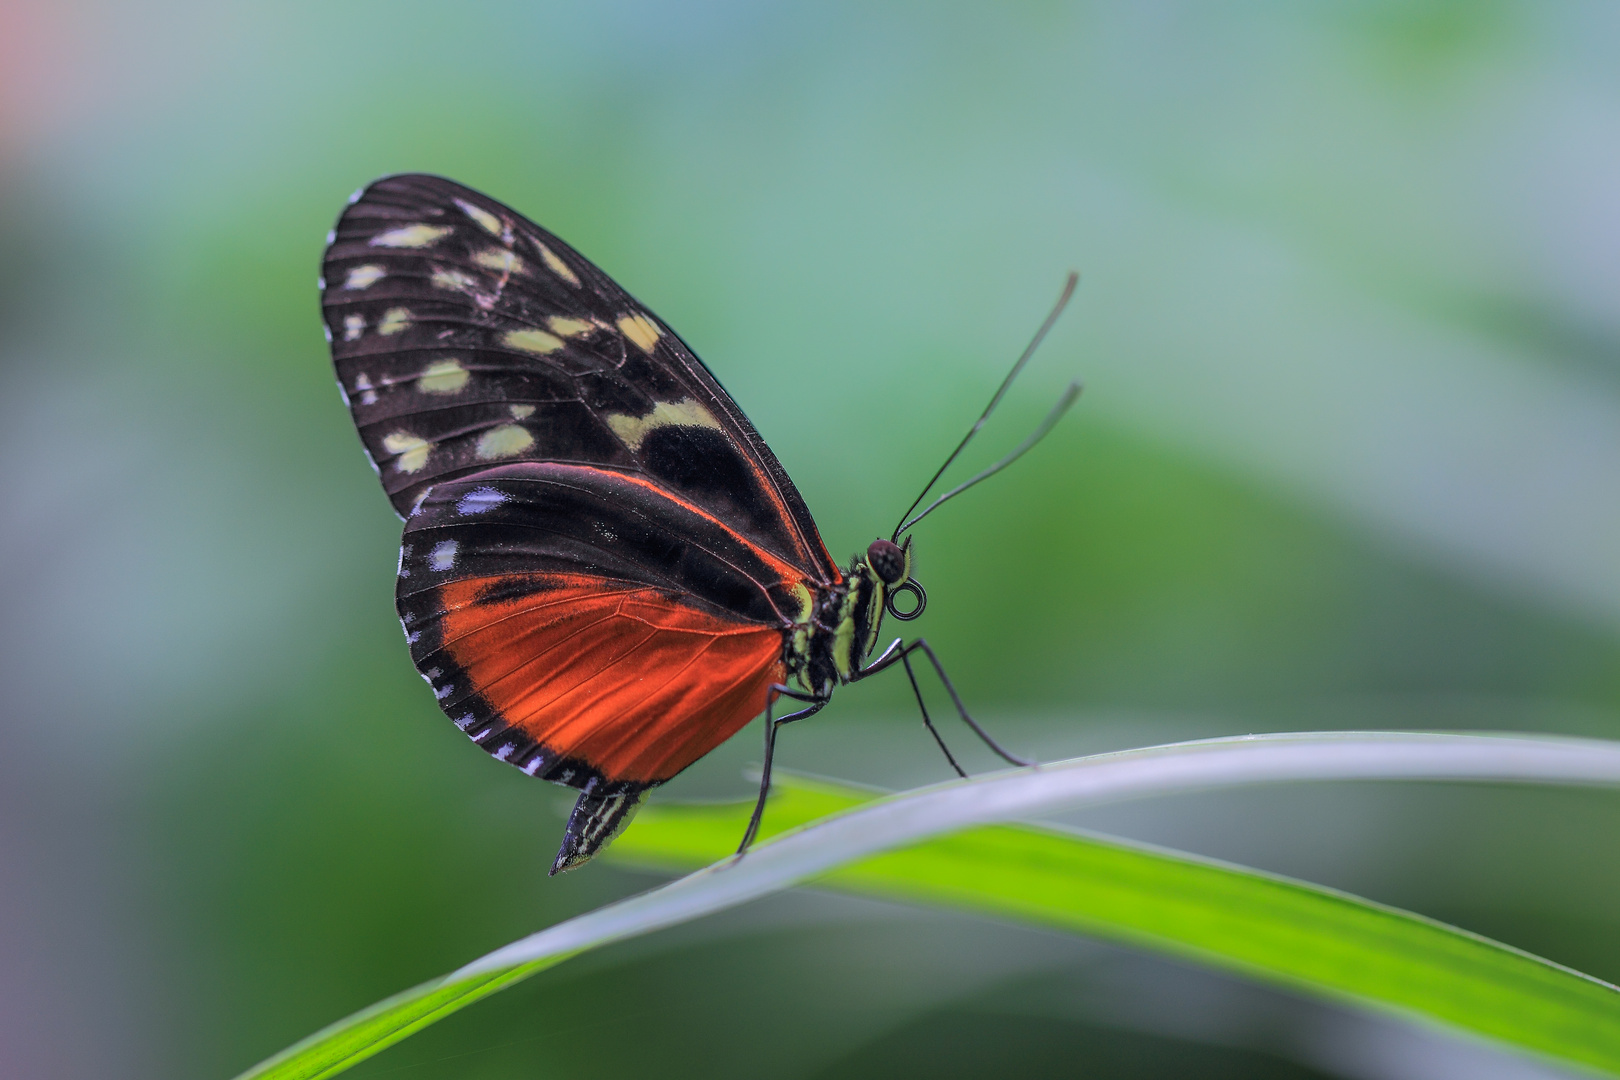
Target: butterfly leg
(961, 709)
(817, 704)
(897, 653)
(927, 720)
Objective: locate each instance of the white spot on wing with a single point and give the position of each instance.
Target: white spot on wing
(394, 320)
(320, 282)
(364, 277)
(557, 266)
(454, 280)
(633, 430)
(442, 692)
(411, 451)
(479, 500)
(442, 377)
(368, 396)
(532, 341)
(353, 327)
(563, 326)
(500, 260)
(328, 331)
(504, 441)
(354, 198)
(411, 236)
(331, 235)
(488, 221)
(443, 555)
(521, 412)
(640, 330)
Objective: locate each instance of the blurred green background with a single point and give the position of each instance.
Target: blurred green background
(1349, 456)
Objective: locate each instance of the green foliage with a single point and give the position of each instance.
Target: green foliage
(1298, 935)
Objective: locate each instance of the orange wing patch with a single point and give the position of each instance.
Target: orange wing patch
(609, 672)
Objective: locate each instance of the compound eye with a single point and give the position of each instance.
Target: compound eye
(887, 561)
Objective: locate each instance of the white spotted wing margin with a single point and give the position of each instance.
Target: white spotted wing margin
(466, 338)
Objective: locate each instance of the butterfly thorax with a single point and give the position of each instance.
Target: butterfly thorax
(828, 648)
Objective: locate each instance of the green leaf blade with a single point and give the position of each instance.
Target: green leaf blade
(1265, 926)
(945, 845)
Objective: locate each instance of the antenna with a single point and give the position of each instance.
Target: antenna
(1050, 422)
(906, 519)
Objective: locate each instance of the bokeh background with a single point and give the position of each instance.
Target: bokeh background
(1349, 456)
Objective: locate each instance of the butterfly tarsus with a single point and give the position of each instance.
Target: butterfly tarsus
(900, 653)
(928, 722)
(816, 705)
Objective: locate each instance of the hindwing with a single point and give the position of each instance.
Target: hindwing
(589, 627)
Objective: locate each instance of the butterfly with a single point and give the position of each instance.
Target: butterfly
(605, 572)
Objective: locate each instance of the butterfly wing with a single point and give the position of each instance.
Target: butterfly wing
(589, 627)
(466, 337)
(602, 563)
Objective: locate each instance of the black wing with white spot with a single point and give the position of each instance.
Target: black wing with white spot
(466, 337)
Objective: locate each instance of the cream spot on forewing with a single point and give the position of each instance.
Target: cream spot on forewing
(532, 341)
(641, 330)
(411, 236)
(522, 412)
(454, 280)
(442, 377)
(479, 500)
(557, 266)
(368, 394)
(490, 223)
(633, 430)
(394, 320)
(364, 277)
(563, 326)
(499, 260)
(504, 441)
(411, 451)
(353, 327)
(328, 331)
(443, 555)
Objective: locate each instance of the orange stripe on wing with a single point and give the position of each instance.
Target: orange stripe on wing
(625, 679)
(787, 571)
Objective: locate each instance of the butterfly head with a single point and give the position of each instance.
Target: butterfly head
(889, 566)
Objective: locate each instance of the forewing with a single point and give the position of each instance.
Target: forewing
(587, 626)
(465, 337)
